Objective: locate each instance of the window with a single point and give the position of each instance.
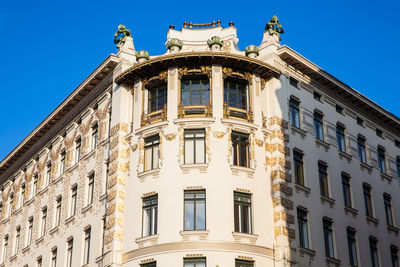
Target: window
(43, 222)
(303, 228)
(150, 214)
(22, 195)
(346, 190)
(151, 154)
(157, 98)
(35, 185)
(57, 218)
(339, 109)
(195, 210)
(195, 91)
(78, 148)
(243, 263)
(298, 167)
(95, 136)
(86, 248)
(387, 199)
(352, 246)
(194, 262)
(5, 249)
(368, 200)
(373, 248)
(242, 212)
(361, 149)
(235, 93)
(341, 141)
(394, 251)
(381, 160)
(360, 121)
(379, 132)
(317, 96)
(48, 174)
(293, 82)
(29, 232)
(195, 146)
(62, 168)
(328, 238)
(90, 189)
(74, 192)
(318, 126)
(150, 264)
(10, 204)
(70, 244)
(54, 257)
(17, 238)
(294, 113)
(396, 143)
(398, 167)
(323, 179)
(39, 262)
(240, 143)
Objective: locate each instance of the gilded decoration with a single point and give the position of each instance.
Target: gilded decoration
(202, 70)
(264, 119)
(259, 142)
(229, 72)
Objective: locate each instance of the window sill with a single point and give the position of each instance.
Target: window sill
(15, 212)
(73, 167)
(87, 208)
(324, 144)
(239, 169)
(244, 238)
(393, 229)
(28, 202)
(365, 166)
(54, 230)
(344, 155)
(151, 126)
(328, 200)
(39, 240)
(309, 252)
(372, 220)
(302, 188)
(239, 122)
(6, 220)
(387, 177)
(86, 265)
(88, 154)
(13, 257)
(44, 190)
(194, 120)
(296, 130)
(351, 210)
(147, 240)
(70, 219)
(59, 178)
(153, 173)
(331, 261)
(103, 197)
(202, 167)
(26, 249)
(194, 235)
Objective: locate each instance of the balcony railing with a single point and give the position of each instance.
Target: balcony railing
(156, 116)
(195, 111)
(232, 112)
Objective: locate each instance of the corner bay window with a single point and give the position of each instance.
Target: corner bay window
(150, 214)
(157, 98)
(298, 167)
(242, 212)
(195, 210)
(318, 126)
(240, 144)
(328, 238)
(195, 146)
(151, 154)
(323, 179)
(195, 91)
(235, 93)
(294, 113)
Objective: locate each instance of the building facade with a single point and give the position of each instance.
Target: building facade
(205, 156)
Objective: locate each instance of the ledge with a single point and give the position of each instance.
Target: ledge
(372, 220)
(70, 219)
(194, 120)
(6, 220)
(44, 190)
(59, 178)
(202, 167)
(28, 202)
(393, 229)
(248, 238)
(154, 173)
(194, 235)
(13, 257)
(309, 252)
(239, 169)
(351, 210)
(365, 166)
(87, 208)
(387, 177)
(26, 249)
(102, 197)
(328, 200)
(15, 212)
(331, 261)
(296, 130)
(324, 144)
(302, 188)
(54, 230)
(152, 126)
(238, 122)
(39, 240)
(88, 154)
(344, 155)
(73, 167)
(142, 241)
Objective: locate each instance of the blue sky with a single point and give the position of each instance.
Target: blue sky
(49, 47)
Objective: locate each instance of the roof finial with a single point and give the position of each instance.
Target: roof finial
(274, 27)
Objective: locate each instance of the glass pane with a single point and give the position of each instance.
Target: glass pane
(196, 98)
(147, 159)
(189, 153)
(236, 211)
(245, 219)
(155, 157)
(200, 151)
(195, 84)
(146, 222)
(185, 84)
(154, 222)
(201, 215)
(185, 98)
(205, 96)
(189, 215)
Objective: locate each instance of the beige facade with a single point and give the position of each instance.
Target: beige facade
(205, 155)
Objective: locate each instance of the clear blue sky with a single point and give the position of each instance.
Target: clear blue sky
(49, 47)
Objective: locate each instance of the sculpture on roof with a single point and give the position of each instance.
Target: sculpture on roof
(274, 27)
(120, 35)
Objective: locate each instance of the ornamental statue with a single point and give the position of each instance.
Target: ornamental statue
(274, 27)
(215, 43)
(120, 35)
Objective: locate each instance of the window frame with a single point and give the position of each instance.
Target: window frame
(57, 217)
(86, 245)
(367, 195)
(95, 136)
(190, 90)
(352, 246)
(195, 261)
(195, 138)
(294, 112)
(328, 238)
(394, 255)
(346, 187)
(243, 263)
(152, 227)
(323, 179)
(195, 200)
(153, 143)
(302, 222)
(90, 189)
(341, 138)
(53, 257)
(318, 121)
(157, 88)
(70, 251)
(237, 149)
(374, 251)
(298, 167)
(226, 93)
(362, 155)
(387, 201)
(239, 225)
(73, 200)
(381, 152)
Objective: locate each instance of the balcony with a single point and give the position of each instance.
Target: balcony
(238, 113)
(156, 116)
(195, 111)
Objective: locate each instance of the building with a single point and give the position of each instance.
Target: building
(205, 155)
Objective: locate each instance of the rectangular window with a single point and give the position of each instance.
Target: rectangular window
(150, 264)
(43, 222)
(57, 218)
(5, 249)
(157, 98)
(341, 141)
(74, 193)
(17, 238)
(151, 152)
(318, 126)
(381, 160)
(195, 146)
(328, 238)
(388, 209)
(194, 262)
(396, 143)
(48, 174)
(70, 244)
(293, 82)
(367, 200)
(352, 247)
(339, 109)
(323, 179)
(360, 121)
(317, 96)
(22, 195)
(373, 248)
(90, 189)
(150, 214)
(294, 113)
(195, 210)
(361, 149)
(10, 204)
(62, 167)
(39, 262)
(242, 212)
(346, 190)
(303, 228)
(29, 232)
(398, 167)
(195, 92)
(78, 148)
(54, 257)
(298, 167)
(379, 132)
(394, 251)
(86, 248)
(95, 136)
(235, 94)
(35, 185)
(240, 144)
(243, 263)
